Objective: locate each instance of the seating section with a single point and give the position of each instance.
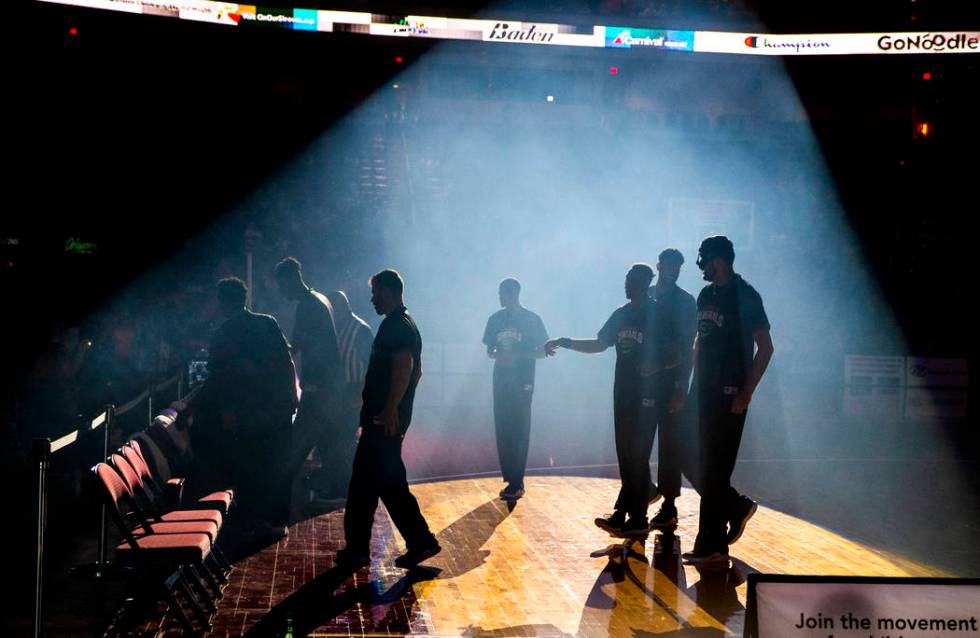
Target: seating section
(152, 506)
(134, 453)
(171, 550)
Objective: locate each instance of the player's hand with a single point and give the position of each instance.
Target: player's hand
(551, 346)
(676, 403)
(741, 402)
(389, 418)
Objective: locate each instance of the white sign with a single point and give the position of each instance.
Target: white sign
(700, 218)
(874, 401)
(823, 608)
(874, 370)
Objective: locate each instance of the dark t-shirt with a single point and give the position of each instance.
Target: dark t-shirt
(250, 371)
(634, 333)
(518, 331)
(679, 312)
(315, 337)
(727, 317)
(397, 333)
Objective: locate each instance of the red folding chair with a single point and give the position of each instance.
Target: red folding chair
(161, 558)
(147, 512)
(221, 500)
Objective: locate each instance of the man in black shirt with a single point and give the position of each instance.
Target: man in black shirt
(637, 392)
(317, 356)
(678, 326)
(379, 472)
(731, 324)
(514, 338)
(250, 395)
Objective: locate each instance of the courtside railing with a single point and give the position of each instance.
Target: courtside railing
(43, 451)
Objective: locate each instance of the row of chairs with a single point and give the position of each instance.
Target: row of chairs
(171, 546)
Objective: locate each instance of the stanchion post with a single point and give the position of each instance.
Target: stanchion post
(149, 404)
(110, 412)
(42, 456)
(248, 278)
(102, 568)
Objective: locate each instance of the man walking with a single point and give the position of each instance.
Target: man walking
(731, 324)
(314, 347)
(379, 472)
(678, 326)
(637, 392)
(250, 395)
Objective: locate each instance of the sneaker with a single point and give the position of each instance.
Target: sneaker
(612, 524)
(701, 557)
(743, 512)
(348, 559)
(267, 531)
(665, 518)
(413, 557)
(636, 527)
(512, 493)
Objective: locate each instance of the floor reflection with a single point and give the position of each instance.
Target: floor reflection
(634, 596)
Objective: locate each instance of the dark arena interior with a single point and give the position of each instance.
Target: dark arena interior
(159, 148)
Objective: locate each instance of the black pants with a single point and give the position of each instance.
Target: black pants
(320, 423)
(379, 473)
(671, 452)
(512, 423)
(262, 474)
(719, 436)
(672, 448)
(635, 416)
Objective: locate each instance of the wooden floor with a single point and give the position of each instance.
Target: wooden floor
(541, 569)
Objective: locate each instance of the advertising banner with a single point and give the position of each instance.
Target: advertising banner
(937, 373)
(836, 43)
(628, 38)
(519, 32)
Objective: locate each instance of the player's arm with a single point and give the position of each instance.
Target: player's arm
(587, 346)
(760, 362)
(402, 369)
